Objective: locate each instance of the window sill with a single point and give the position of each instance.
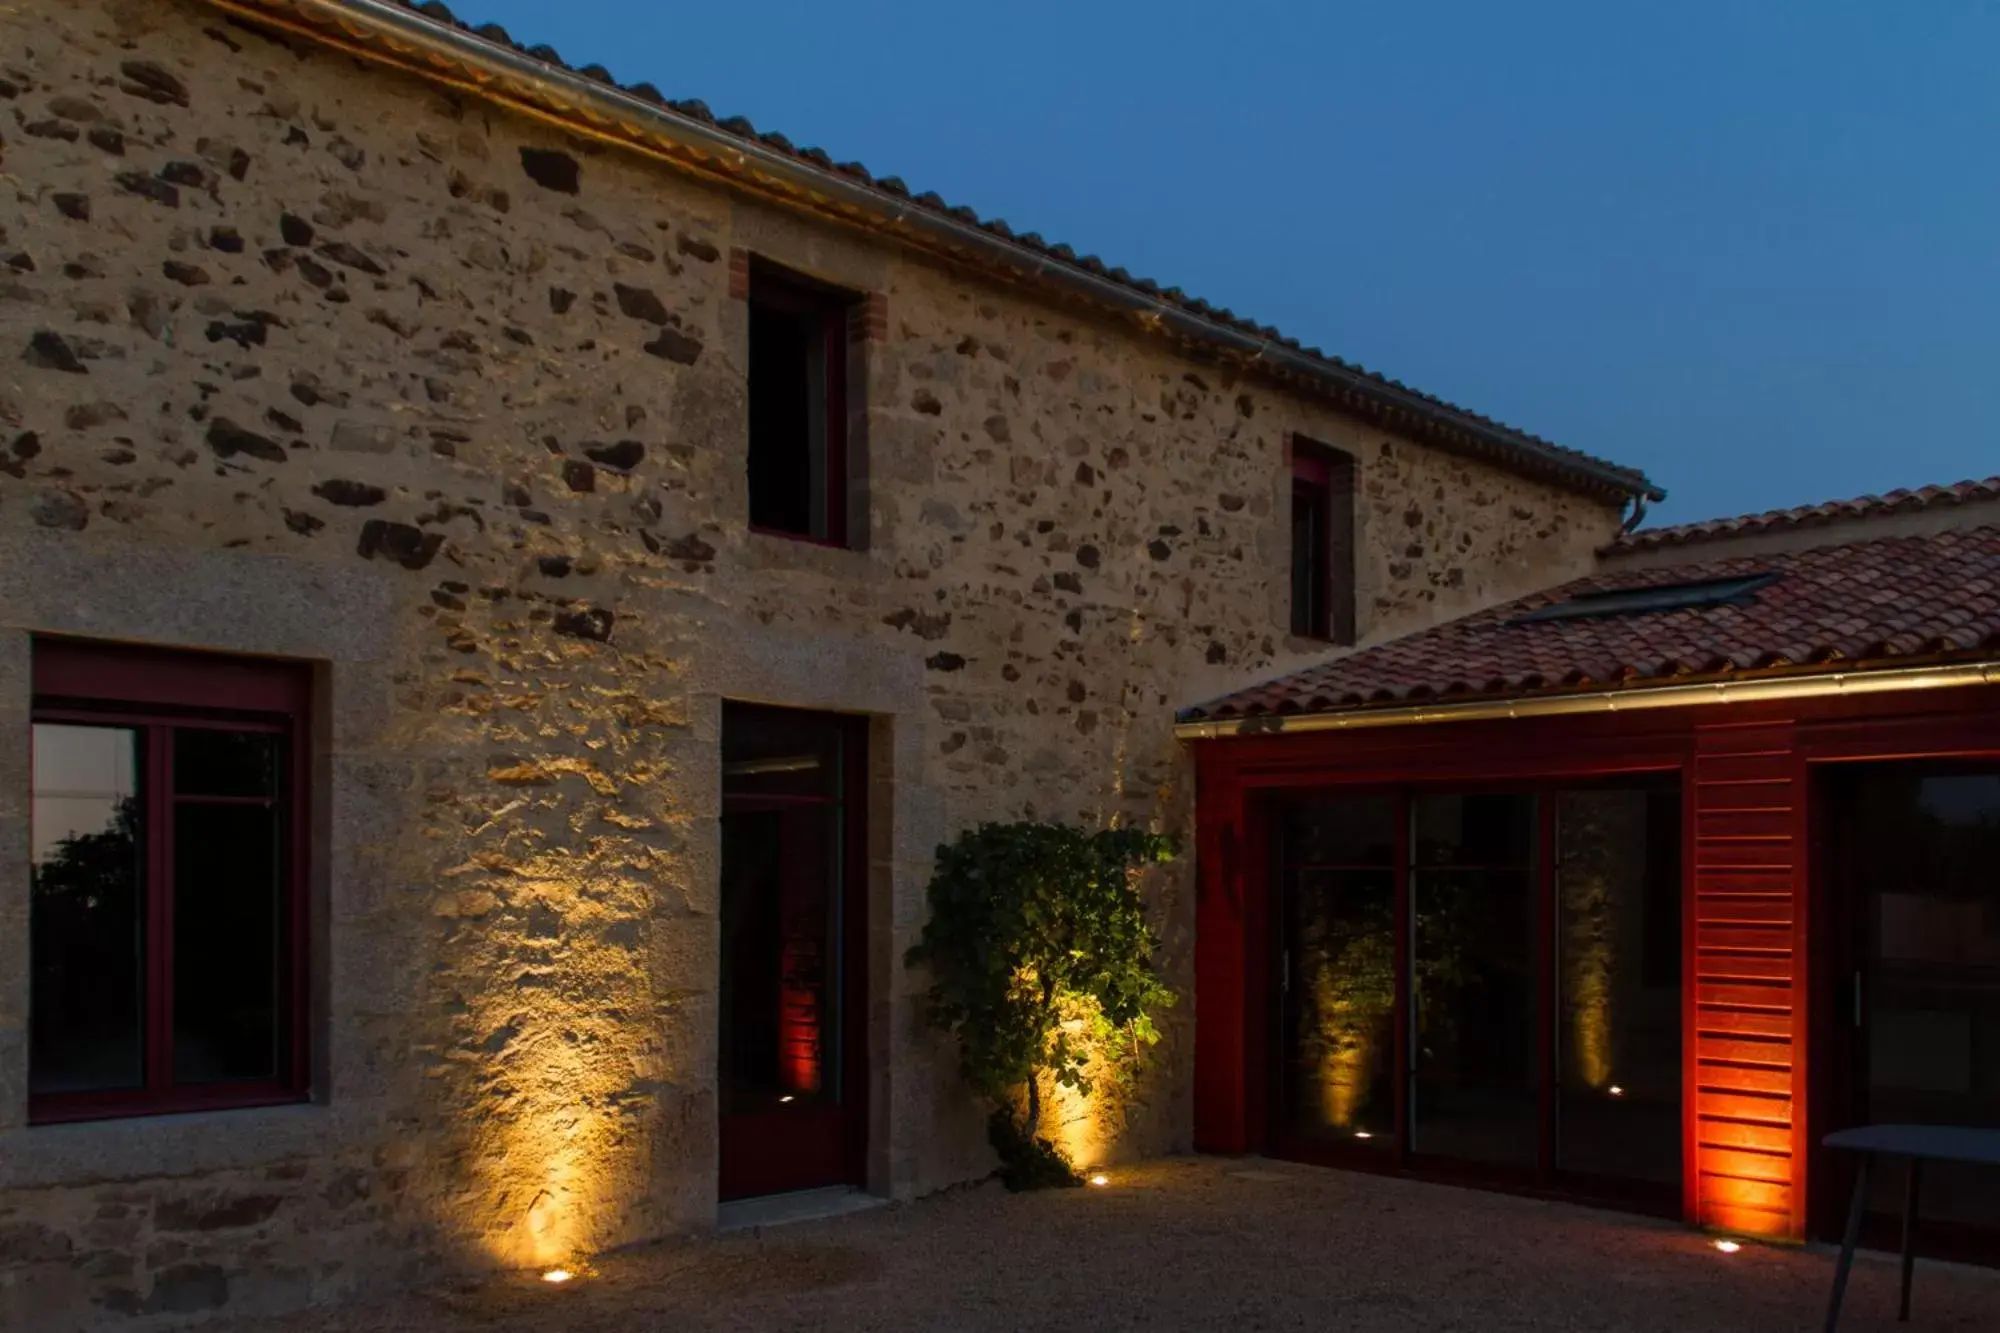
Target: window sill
(767, 549)
(780, 534)
(185, 1142)
(90, 1110)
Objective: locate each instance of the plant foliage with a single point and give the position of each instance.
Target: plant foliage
(1030, 924)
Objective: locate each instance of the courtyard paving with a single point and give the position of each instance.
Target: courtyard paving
(1198, 1243)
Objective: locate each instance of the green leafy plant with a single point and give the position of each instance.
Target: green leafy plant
(1031, 925)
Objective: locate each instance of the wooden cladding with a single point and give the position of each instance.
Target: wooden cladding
(1750, 895)
(1744, 1087)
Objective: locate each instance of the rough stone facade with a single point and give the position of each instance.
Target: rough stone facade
(304, 359)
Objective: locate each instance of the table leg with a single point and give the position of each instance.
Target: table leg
(1848, 1242)
(1909, 1236)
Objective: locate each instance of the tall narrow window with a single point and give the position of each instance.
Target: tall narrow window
(798, 408)
(166, 926)
(1322, 543)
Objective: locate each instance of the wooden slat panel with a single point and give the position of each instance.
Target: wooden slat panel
(1744, 1106)
(1744, 907)
(1747, 1165)
(1776, 939)
(1770, 795)
(1743, 1023)
(1744, 1078)
(1729, 1191)
(1774, 1054)
(1767, 853)
(1747, 1221)
(1741, 768)
(1763, 966)
(1744, 995)
(1736, 879)
(1711, 822)
(1775, 1139)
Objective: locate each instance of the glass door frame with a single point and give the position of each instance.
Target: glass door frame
(1838, 931)
(1546, 1179)
(763, 1153)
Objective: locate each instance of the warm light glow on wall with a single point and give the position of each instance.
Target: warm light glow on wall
(560, 1056)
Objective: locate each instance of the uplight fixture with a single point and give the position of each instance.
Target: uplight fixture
(557, 1275)
(1727, 1246)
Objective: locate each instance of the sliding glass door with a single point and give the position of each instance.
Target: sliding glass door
(1484, 980)
(1475, 1053)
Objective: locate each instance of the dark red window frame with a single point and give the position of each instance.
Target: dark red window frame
(832, 310)
(157, 692)
(1323, 562)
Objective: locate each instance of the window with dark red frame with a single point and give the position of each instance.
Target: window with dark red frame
(798, 408)
(167, 923)
(1322, 543)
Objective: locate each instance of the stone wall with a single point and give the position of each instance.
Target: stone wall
(301, 358)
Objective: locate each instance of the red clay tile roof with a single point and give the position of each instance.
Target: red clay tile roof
(1807, 516)
(1371, 395)
(1872, 603)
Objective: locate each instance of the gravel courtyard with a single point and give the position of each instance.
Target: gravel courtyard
(1198, 1244)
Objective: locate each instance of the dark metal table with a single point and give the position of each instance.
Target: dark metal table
(1920, 1144)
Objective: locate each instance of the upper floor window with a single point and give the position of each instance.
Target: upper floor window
(1322, 543)
(798, 407)
(167, 919)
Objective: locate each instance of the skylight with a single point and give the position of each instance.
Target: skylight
(1650, 601)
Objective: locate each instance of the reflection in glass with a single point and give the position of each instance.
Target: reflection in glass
(781, 898)
(228, 882)
(1340, 1004)
(210, 762)
(86, 941)
(1925, 851)
(1474, 1049)
(1618, 870)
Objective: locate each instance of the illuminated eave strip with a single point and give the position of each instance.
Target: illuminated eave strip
(1762, 690)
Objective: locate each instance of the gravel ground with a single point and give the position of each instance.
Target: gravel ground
(1199, 1243)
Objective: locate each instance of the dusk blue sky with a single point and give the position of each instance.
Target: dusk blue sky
(1751, 248)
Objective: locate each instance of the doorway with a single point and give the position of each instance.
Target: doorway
(1908, 1007)
(793, 1040)
(1484, 985)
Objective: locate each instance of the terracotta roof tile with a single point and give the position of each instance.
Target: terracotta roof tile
(1867, 603)
(1807, 516)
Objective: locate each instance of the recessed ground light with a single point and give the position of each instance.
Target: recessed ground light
(1363, 1134)
(787, 1097)
(1615, 1090)
(557, 1275)
(1100, 1180)
(1727, 1246)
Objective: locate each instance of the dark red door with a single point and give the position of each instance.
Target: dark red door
(793, 1041)
(1908, 1012)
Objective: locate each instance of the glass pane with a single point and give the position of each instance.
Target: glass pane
(1339, 984)
(1618, 872)
(1308, 558)
(780, 939)
(87, 912)
(1348, 832)
(1475, 1093)
(1927, 847)
(225, 763)
(788, 420)
(772, 753)
(229, 881)
(1496, 831)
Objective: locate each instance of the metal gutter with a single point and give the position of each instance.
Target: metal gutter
(411, 34)
(1848, 684)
